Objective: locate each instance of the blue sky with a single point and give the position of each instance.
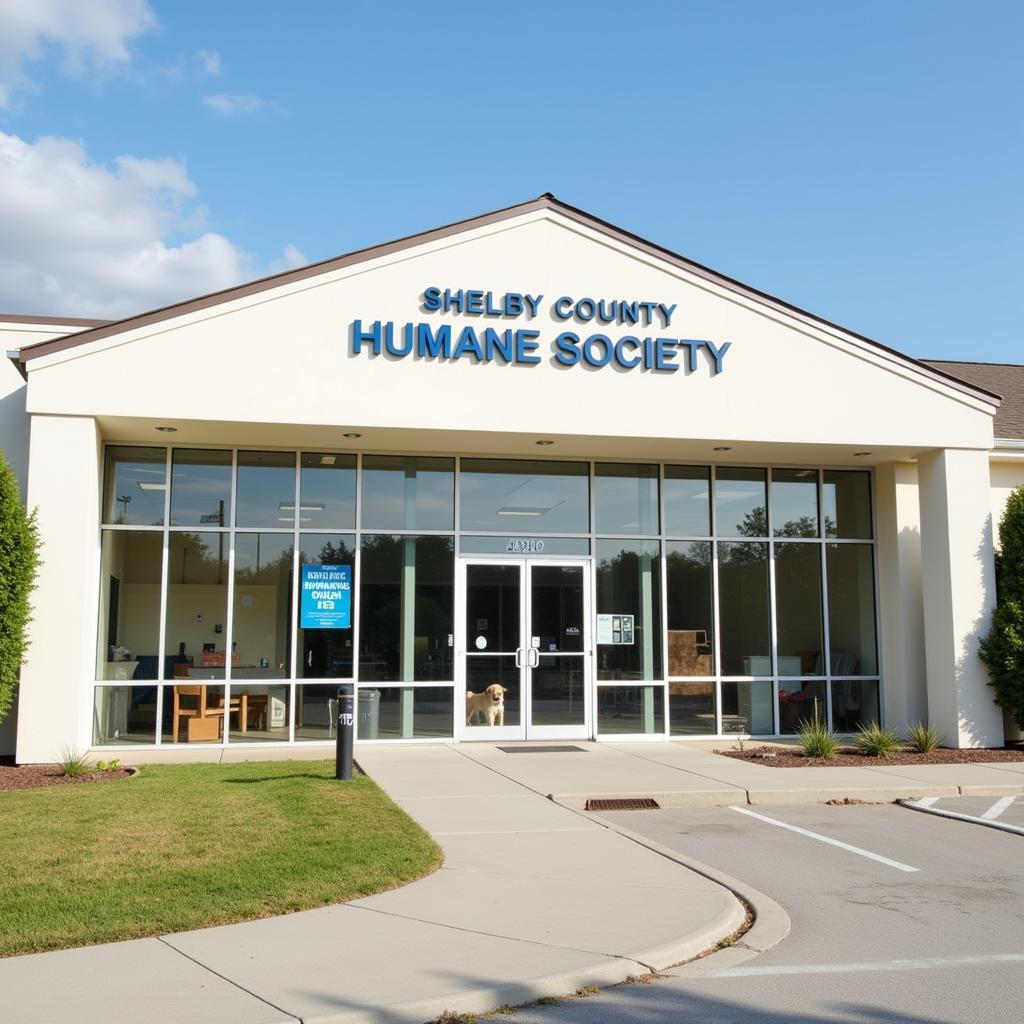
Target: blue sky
(861, 160)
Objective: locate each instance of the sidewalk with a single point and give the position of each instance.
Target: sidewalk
(533, 899)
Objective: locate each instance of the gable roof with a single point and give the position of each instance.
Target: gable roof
(1006, 378)
(547, 201)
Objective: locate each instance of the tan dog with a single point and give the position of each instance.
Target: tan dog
(490, 705)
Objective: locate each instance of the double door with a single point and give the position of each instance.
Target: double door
(526, 629)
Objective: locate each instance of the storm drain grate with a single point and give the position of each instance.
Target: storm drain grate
(638, 803)
(542, 750)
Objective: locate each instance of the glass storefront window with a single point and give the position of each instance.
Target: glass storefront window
(688, 501)
(691, 617)
(131, 568)
(798, 609)
(630, 710)
(407, 598)
(327, 653)
(626, 498)
(262, 620)
(518, 497)
(847, 495)
(194, 712)
(747, 708)
(196, 631)
(851, 609)
(801, 702)
(408, 493)
(741, 504)
(200, 487)
(691, 708)
(327, 491)
(404, 712)
(265, 490)
(854, 703)
(259, 714)
(135, 486)
(629, 589)
(795, 502)
(744, 611)
(123, 715)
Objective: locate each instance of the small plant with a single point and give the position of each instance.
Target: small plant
(587, 990)
(73, 763)
(817, 739)
(114, 765)
(739, 745)
(923, 738)
(875, 741)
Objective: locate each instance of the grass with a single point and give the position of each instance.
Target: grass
(923, 738)
(74, 763)
(875, 741)
(187, 846)
(817, 740)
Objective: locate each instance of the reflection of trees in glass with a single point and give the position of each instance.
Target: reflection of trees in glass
(268, 570)
(198, 558)
(755, 524)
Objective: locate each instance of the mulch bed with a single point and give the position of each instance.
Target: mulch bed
(35, 776)
(850, 757)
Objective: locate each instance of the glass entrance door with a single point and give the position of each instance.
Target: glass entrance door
(525, 649)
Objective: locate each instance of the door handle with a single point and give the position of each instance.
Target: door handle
(534, 661)
(519, 657)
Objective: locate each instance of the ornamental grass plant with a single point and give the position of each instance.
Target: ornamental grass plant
(875, 741)
(923, 739)
(817, 740)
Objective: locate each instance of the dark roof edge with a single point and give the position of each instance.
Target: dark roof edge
(72, 321)
(545, 201)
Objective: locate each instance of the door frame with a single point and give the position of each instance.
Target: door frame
(525, 730)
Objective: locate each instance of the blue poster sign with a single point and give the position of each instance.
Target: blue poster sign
(326, 597)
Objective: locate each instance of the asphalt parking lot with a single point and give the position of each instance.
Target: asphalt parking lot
(1005, 811)
(897, 917)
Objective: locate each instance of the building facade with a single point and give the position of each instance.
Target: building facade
(528, 451)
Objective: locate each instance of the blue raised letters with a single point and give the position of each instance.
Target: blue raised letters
(591, 308)
(359, 336)
(432, 299)
(525, 346)
(436, 345)
(513, 304)
(563, 308)
(468, 345)
(667, 311)
(665, 354)
(567, 347)
(500, 344)
(474, 301)
(620, 351)
(591, 343)
(533, 301)
(402, 348)
(717, 353)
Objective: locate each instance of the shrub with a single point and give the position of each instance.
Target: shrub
(1003, 649)
(817, 740)
(923, 738)
(74, 763)
(878, 742)
(19, 559)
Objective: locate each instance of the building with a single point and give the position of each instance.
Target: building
(529, 449)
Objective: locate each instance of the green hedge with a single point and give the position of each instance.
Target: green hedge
(1003, 649)
(19, 559)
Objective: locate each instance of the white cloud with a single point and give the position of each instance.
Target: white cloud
(83, 238)
(236, 103)
(291, 258)
(209, 62)
(91, 36)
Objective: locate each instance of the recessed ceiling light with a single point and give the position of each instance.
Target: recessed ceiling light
(328, 460)
(352, 434)
(168, 430)
(544, 444)
(860, 455)
(722, 448)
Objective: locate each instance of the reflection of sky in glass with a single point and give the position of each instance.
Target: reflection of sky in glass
(688, 501)
(740, 502)
(266, 489)
(327, 490)
(795, 502)
(524, 497)
(408, 493)
(200, 488)
(136, 486)
(627, 499)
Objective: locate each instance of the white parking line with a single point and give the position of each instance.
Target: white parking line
(881, 965)
(926, 801)
(998, 807)
(825, 839)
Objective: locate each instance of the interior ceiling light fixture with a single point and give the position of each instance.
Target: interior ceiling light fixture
(167, 430)
(544, 444)
(328, 460)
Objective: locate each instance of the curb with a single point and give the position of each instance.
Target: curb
(970, 818)
(771, 922)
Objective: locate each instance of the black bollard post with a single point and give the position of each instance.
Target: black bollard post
(346, 729)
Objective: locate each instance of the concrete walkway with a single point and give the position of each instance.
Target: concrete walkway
(534, 899)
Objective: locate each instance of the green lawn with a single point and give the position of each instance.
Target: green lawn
(186, 846)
